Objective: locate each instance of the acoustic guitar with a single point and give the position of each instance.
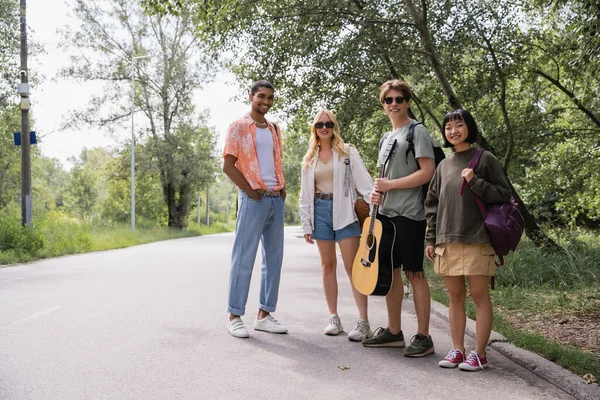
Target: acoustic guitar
(370, 274)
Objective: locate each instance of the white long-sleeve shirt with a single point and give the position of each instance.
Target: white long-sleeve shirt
(343, 207)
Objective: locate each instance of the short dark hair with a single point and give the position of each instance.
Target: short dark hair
(460, 115)
(262, 83)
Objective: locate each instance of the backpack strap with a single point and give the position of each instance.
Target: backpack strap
(472, 165)
(382, 140)
(410, 138)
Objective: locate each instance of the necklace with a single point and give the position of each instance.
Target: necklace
(261, 125)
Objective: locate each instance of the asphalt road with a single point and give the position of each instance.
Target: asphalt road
(149, 322)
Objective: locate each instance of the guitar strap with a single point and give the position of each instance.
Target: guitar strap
(347, 173)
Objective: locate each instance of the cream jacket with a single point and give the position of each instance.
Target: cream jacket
(343, 207)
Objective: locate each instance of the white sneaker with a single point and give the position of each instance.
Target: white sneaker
(269, 324)
(237, 328)
(335, 326)
(361, 331)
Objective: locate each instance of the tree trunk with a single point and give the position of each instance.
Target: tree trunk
(177, 207)
(420, 20)
(571, 95)
(532, 229)
(502, 101)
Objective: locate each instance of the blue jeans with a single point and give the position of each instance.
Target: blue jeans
(257, 220)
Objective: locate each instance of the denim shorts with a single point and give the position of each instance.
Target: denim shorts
(324, 223)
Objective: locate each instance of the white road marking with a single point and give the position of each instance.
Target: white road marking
(35, 316)
(22, 278)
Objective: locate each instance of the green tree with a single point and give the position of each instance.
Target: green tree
(481, 56)
(151, 209)
(85, 187)
(10, 157)
(9, 49)
(109, 35)
(49, 180)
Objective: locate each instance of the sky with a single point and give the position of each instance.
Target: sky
(53, 98)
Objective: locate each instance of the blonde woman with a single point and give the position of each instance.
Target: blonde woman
(332, 174)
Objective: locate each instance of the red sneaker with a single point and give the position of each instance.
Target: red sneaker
(474, 362)
(452, 359)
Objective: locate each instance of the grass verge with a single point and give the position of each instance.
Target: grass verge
(58, 235)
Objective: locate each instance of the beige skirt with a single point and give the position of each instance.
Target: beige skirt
(456, 259)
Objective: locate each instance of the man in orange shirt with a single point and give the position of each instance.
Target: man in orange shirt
(253, 161)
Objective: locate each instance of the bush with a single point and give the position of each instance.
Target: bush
(15, 238)
(65, 235)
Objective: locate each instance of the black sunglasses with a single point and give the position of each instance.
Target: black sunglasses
(328, 125)
(390, 100)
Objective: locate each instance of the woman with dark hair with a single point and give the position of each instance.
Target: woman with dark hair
(457, 240)
(332, 174)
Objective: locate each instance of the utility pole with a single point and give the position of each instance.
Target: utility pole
(132, 180)
(26, 203)
(207, 207)
(199, 202)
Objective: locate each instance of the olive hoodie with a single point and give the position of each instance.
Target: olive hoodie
(452, 218)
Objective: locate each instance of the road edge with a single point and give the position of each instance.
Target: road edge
(552, 373)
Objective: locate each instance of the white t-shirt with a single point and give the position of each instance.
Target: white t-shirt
(266, 159)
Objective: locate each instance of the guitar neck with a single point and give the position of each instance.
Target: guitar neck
(375, 208)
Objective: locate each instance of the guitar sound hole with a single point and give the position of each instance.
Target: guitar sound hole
(370, 240)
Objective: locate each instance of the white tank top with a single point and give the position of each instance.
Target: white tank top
(266, 159)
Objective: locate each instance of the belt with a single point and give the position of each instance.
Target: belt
(269, 193)
(324, 196)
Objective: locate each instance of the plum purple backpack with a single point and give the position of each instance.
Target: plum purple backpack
(503, 221)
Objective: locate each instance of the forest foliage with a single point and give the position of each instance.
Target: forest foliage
(526, 69)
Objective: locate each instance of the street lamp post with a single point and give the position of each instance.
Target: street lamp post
(26, 203)
(133, 58)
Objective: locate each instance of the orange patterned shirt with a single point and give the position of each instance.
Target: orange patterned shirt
(241, 143)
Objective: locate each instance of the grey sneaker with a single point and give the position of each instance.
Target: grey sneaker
(335, 325)
(384, 338)
(269, 324)
(420, 345)
(361, 331)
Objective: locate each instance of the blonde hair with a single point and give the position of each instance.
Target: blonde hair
(337, 143)
(395, 84)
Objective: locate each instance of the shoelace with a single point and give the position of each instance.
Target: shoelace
(333, 320)
(412, 340)
(452, 354)
(362, 326)
(472, 357)
(378, 331)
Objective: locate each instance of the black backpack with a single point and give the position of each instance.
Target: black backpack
(438, 153)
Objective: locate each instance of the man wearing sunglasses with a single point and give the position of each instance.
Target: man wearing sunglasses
(252, 159)
(402, 213)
